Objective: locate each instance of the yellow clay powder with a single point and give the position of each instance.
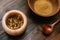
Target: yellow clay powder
(43, 7)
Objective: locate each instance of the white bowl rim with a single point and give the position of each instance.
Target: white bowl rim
(19, 12)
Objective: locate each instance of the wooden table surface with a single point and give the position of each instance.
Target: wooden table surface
(35, 23)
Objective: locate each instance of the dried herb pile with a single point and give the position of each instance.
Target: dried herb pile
(14, 22)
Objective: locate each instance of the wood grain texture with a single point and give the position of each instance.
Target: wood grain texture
(35, 23)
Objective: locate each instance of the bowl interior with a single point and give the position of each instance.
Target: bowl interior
(13, 15)
(55, 4)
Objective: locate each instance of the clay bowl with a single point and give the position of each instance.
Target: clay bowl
(18, 31)
(55, 5)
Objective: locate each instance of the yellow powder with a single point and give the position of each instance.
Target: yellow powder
(43, 7)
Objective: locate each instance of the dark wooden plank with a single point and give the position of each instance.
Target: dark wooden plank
(35, 23)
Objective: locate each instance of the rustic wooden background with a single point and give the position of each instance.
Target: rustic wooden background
(35, 23)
